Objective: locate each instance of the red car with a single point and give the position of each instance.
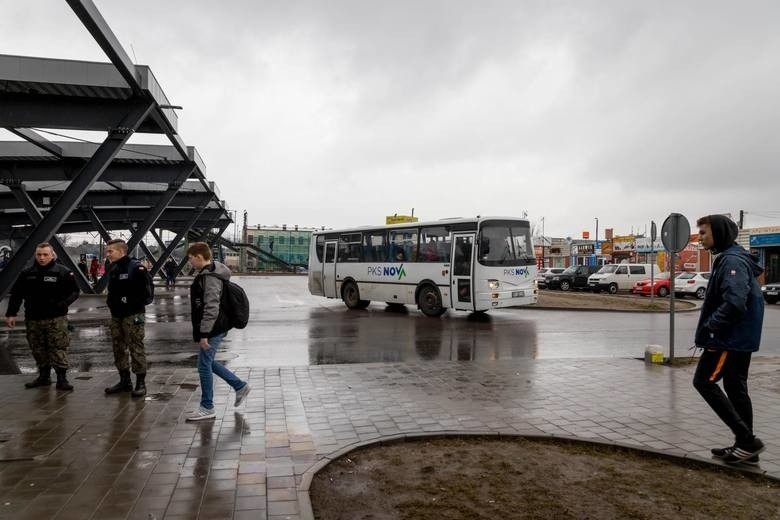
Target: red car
(660, 286)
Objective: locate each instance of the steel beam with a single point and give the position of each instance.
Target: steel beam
(71, 197)
(158, 239)
(35, 215)
(146, 251)
(104, 36)
(175, 242)
(58, 171)
(66, 113)
(159, 208)
(97, 223)
(38, 140)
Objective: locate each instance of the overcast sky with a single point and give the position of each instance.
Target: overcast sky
(338, 113)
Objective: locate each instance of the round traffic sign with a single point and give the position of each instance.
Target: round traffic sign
(675, 233)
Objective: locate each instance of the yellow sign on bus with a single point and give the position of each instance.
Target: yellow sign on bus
(400, 219)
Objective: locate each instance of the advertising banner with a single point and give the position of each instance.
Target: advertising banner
(624, 244)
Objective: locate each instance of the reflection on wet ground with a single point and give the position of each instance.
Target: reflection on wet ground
(289, 327)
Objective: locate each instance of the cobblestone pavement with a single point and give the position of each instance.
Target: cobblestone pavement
(87, 455)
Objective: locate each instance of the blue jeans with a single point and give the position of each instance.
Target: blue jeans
(207, 366)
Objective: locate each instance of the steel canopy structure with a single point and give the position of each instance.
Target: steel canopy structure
(49, 187)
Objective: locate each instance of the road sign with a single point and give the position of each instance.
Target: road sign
(675, 233)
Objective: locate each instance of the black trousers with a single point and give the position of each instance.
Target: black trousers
(734, 406)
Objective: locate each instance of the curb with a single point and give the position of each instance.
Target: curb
(304, 499)
(634, 311)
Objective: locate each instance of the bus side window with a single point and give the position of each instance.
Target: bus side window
(375, 249)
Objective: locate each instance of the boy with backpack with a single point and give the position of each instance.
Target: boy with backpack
(211, 294)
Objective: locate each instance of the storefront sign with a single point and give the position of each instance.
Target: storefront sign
(765, 240)
(625, 244)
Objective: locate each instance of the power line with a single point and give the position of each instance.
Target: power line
(96, 143)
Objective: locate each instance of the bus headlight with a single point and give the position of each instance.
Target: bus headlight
(493, 284)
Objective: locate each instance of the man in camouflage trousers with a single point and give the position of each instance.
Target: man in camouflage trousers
(128, 288)
(47, 289)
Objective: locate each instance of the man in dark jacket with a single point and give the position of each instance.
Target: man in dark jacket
(729, 331)
(209, 327)
(47, 289)
(128, 291)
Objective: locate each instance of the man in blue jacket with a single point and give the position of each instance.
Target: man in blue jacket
(729, 331)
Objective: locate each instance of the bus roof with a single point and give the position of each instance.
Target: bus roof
(442, 222)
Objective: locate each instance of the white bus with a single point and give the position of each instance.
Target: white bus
(472, 264)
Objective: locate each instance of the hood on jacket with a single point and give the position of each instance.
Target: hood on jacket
(751, 259)
(724, 232)
(217, 269)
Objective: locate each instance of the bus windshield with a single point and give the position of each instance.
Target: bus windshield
(505, 243)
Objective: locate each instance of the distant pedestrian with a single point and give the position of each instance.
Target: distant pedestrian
(83, 266)
(94, 267)
(128, 294)
(729, 331)
(209, 328)
(170, 273)
(47, 288)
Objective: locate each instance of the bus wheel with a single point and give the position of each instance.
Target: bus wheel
(351, 296)
(429, 301)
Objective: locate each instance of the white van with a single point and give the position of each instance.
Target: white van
(614, 277)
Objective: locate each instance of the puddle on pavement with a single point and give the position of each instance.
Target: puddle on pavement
(160, 396)
(84, 378)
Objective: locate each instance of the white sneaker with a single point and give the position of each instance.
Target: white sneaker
(201, 414)
(241, 394)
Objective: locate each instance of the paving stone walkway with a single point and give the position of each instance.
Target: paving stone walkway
(87, 455)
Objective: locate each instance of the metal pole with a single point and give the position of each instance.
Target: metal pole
(672, 262)
(652, 273)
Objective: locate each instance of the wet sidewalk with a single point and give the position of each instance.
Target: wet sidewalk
(87, 455)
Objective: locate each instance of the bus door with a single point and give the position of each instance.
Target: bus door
(462, 287)
(329, 270)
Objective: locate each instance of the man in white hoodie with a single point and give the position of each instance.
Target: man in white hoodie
(209, 328)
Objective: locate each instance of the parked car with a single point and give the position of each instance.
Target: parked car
(658, 286)
(695, 284)
(544, 271)
(574, 277)
(771, 293)
(614, 277)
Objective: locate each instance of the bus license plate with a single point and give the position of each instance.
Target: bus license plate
(518, 294)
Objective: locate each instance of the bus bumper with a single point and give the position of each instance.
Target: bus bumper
(502, 299)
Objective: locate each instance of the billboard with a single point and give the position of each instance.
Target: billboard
(624, 244)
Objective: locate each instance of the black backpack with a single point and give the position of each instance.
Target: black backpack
(149, 295)
(234, 304)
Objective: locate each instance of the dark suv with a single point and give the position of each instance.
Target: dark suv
(574, 277)
(771, 292)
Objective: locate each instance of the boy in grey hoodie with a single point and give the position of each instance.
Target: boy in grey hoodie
(209, 328)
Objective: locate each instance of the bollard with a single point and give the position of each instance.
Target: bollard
(654, 354)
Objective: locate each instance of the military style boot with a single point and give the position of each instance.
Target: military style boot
(43, 379)
(62, 379)
(124, 384)
(140, 385)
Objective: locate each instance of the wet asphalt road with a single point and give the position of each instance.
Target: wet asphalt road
(288, 326)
